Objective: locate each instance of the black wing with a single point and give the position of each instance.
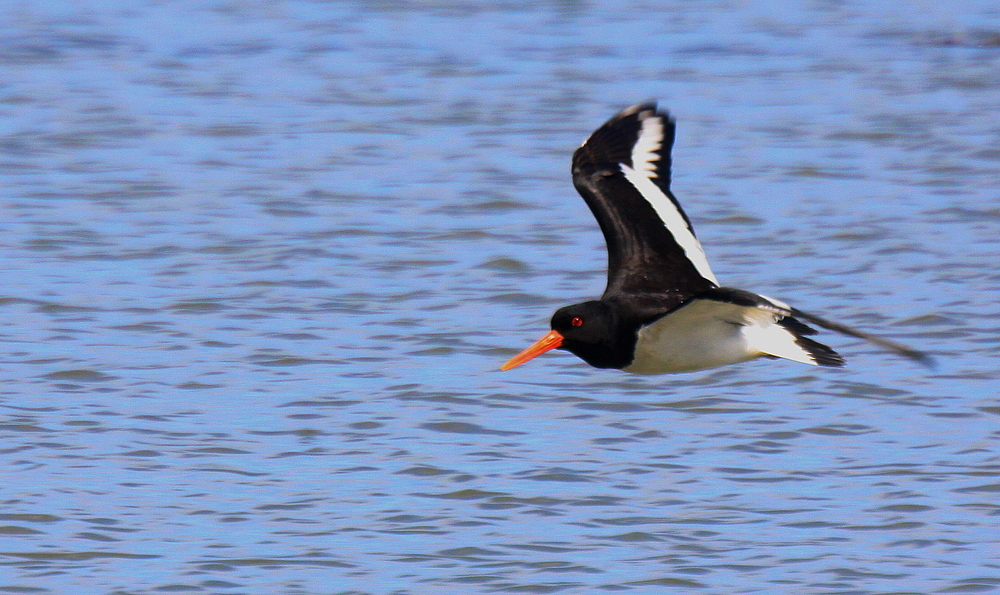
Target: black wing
(914, 354)
(623, 173)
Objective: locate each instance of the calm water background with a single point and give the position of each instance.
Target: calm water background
(261, 261)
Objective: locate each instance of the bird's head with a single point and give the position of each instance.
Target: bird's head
(589, 330)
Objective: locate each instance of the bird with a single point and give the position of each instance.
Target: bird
(663, 310)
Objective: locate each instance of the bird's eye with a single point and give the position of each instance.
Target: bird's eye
(576, 321)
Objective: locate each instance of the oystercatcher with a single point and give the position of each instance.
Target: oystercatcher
(663, 310)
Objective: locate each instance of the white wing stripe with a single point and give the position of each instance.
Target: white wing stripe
(672, 218)
(650, 140)
(644, 159)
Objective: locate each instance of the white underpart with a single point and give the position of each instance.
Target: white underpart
(644, 159)
(777, 341)
(706, 334)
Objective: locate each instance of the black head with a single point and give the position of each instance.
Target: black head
(592, 331)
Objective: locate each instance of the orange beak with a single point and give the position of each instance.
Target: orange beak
(549, 341)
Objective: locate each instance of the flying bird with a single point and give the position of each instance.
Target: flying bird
(663, 310)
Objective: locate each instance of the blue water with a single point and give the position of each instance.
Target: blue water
(262, 261)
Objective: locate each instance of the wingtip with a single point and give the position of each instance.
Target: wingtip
(648, 105)
(915, 355)
(925, 359)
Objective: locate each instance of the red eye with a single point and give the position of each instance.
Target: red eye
(576, 321)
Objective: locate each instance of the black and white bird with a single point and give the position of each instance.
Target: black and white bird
(663, 310)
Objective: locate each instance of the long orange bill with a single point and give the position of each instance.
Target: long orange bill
(549, 341)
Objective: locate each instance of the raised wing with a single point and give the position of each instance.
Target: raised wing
(623, 173)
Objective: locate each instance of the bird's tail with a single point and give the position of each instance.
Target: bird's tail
(908, 352)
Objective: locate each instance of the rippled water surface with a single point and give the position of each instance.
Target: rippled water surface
(261, 261)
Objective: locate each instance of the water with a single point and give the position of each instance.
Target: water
(263, 259)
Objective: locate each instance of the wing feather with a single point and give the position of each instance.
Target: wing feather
(623, 174)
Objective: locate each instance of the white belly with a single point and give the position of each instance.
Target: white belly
(707, 333)
(689, 341)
